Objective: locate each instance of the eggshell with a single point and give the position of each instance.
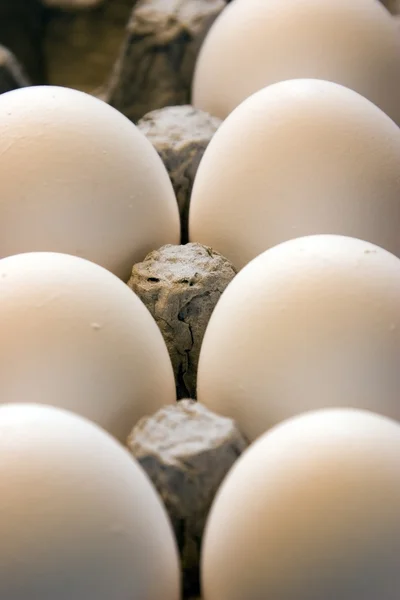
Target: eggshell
(311, 323)
(78, 177)
(310, 511)
(80, 520)
(298, 158)
(74, 335)
(255, 43)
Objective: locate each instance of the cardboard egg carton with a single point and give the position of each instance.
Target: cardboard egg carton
(138, 55)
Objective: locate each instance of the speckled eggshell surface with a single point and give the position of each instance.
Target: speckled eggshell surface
(75, 336)
(310, 511)
(78, 177)
(255, 43)
(298, 158)
(311, 323)
(80, 520)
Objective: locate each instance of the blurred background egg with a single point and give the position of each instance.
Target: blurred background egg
(255, 43)
(79, 178)
(311, 323)
(310, 511)
(74, 335)
(79, 518)
(298, 158)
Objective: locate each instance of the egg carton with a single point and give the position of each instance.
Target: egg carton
(187, 450)
(150, 82)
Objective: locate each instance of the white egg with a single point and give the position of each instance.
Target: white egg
(311, 511)
(78, 177)
(311, 323)
(80, 520)
(298, 158)
(255, 43)
(74, 335)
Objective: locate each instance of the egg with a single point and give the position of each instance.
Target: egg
(74, 335)
(79, 178)
(298, 158)
(311, 323)
(255, 43)
(80, 520)
(311, 511)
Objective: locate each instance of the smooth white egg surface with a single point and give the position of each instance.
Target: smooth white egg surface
(255, 43)
(78, 177)
(311, 511)
(311, 323)
(74, 335)
(80, 520)
(298, 158)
